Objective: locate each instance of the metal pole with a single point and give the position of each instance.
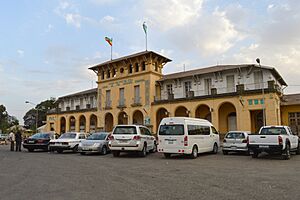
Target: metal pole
(263, 92)
(111, 52)
(146, 40)
(36, 121)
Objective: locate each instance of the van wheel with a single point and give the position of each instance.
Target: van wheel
(59, 150)
(116, 153)
(75, 149)
(194, 153)
(167, 155)
(225, 152)
(30, 150)
(215, 149)
(143, 153)
(286, 155)
(255, 154)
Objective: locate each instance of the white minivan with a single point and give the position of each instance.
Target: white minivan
(183, 135)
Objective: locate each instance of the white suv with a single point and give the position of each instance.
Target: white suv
(132, 138)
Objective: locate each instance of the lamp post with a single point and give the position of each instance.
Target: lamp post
(37, 114)
(263, 91)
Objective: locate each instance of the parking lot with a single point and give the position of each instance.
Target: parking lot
(42, 175)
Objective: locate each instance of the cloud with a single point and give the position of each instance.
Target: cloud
(73, 19)
(20, 53)
(49, 28)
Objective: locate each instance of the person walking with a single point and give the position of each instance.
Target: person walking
(18, 141)
(12, 140)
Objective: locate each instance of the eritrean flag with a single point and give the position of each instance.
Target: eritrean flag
(108, 40)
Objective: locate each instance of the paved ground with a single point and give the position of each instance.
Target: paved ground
(41, 175)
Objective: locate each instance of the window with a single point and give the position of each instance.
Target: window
(108, 74)
(187, 88)
(114, 72)
(81, 102)
(143, 66)
(258, 79)
(170, 89)
(207, 86)
(171, 130)
(198, 130)
(92, 102)
(136, 67)
(81, 136)
(125, 130)
(137, 94)
(107, 98)
(214, 130)
(230, 83)
(156, 66)
(130, 69)
(102, 75)
(273, 131)
(121, 97)
(122, 70)
(72, 104)
(235, 135)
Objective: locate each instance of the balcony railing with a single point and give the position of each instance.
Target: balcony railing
(136, 101)
(121, 103)
(107, 105)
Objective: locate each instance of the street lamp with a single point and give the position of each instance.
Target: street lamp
(37, 115)
(263, 91)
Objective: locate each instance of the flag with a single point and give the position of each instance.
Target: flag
(108, 40)
(145, 27)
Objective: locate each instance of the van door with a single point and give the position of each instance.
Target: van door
(171, 136)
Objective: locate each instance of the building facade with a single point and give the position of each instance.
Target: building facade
(133, 90)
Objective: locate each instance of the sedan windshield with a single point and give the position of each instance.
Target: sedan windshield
(41, 135)
(125, 130)
(235, 135)
(68, 135)
(171, 130)
(97, 136)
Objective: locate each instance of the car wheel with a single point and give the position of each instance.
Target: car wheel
(116, 153)
(255, 154)
(75, 149)
(154, 148)
(143, 153)
(59, 150)
(286, 155)
(167, 155)
(215, 149)
(194, 153)
(225, 152)
(104, 150)
(31, 150)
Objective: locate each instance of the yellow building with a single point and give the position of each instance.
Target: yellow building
(133, 90)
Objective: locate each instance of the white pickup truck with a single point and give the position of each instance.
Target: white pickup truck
(274, 140)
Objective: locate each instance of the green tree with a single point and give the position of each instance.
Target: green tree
(6, 120)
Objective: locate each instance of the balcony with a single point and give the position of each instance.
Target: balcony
(136, 102)
(108, 105)
(121, 103)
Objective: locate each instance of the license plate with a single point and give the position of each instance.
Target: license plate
(263, 146)
(58, 144)
(31, 142)
(170, 142)
(233, 147)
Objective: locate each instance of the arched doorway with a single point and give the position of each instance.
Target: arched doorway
(181, 111)
(72, 123)
(82, 123)
(203, 112)
(123, 118)
(227, 118)
(109, 122)
(62, 125)
(93, 123)
(160, 114)
(256, 120)
(138, 117)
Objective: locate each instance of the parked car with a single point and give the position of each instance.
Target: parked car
(3, 138)
(274, 140)
(38, 141)
(235, 141)
(132, 138)
(190, 136)
(67, 141)
(95, 143)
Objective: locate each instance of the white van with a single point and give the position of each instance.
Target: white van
(183, 135)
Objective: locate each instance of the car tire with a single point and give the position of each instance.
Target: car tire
(116, 153)
(82, 153)
(143, 153)
(154, 148)
(104, 150)
(194, 153)
(59, 150)
(167, 155)
(286, 155)
(31, 150)
(215, 148)
(225, 152)
(255, 154)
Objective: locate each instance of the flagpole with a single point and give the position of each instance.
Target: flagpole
(111, 52)
(146, 41)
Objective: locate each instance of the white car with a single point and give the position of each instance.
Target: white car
(132, 138)
(67, 141)
(235, 141)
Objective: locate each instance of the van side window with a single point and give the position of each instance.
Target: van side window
(214, 131)
(198, 130)
(142, 131)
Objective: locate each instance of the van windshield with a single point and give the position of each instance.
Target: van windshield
(171, 130)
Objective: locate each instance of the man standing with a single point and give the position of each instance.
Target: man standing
(12, 140)
(18, 141)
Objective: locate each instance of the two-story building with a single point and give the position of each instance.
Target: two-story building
(133, 90)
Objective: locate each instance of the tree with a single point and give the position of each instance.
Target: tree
(6, 120)
(40, 112)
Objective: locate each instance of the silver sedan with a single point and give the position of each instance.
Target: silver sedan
(235, 141)
(95, 143)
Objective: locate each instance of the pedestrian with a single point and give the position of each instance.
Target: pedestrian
(18, 140)
(12, 139)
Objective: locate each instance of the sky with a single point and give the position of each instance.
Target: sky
(47, 46)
